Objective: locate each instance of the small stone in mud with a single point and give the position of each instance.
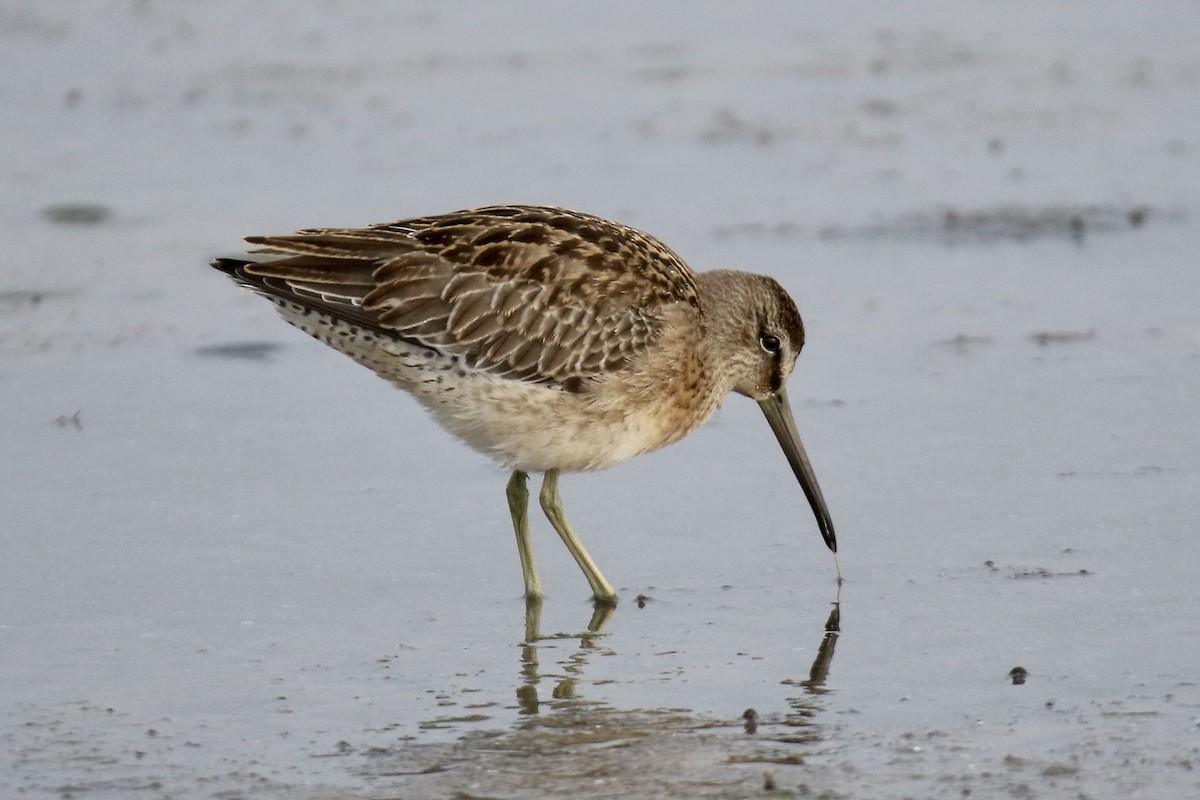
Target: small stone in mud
(751, 717)
(768, 782)
(641, 600)
(1018, 675)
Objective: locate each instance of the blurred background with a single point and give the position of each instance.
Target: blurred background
(232, 561)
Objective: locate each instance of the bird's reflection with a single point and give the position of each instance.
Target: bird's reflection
(565, 685)
(564, 744)
(804, 709)
(819, 672)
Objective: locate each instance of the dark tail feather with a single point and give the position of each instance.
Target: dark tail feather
(234, 268)
(323, 298)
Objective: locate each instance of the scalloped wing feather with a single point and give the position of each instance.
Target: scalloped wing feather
(531, 293)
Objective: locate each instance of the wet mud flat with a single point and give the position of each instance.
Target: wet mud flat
(233, 567)
(564, 744)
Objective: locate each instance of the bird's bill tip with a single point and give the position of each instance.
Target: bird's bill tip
(779, 416)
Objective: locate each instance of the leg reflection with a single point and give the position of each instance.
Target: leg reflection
(527, 699)
(565, 684)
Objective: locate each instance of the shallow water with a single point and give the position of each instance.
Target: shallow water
(236, 564)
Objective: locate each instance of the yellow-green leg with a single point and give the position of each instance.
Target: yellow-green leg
(552, 505)
(518, 506)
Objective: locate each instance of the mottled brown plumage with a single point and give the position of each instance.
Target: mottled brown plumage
(548, 339)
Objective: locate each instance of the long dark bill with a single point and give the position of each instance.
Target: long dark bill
(779, 414)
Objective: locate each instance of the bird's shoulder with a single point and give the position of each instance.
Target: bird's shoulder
(578, 258)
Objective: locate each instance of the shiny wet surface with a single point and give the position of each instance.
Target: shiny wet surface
(236, 564)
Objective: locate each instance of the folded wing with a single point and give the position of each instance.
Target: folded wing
(532, 293)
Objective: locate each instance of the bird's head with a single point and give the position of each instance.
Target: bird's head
(755, 333)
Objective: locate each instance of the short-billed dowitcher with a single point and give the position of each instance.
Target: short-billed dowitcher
(550, 340)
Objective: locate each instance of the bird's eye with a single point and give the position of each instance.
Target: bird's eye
(769, 343)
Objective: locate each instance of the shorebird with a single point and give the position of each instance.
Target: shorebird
(550, 340)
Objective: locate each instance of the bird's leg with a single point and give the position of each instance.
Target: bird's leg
(552, 505)
(518, 506)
